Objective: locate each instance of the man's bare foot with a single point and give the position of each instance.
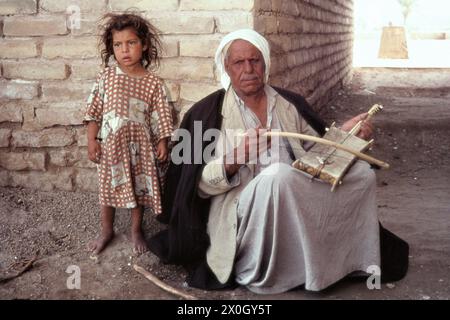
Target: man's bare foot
(97, 245)
(139, 244)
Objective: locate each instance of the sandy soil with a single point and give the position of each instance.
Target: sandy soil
(413, 202)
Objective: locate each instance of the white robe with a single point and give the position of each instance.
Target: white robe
(294, 231)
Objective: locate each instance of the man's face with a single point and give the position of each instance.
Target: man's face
(245, 66)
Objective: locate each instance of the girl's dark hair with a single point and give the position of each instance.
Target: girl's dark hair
(145, 31)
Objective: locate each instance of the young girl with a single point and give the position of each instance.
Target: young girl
(129, 123)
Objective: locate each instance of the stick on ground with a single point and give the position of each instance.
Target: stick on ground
(25, 268)
(163, 285)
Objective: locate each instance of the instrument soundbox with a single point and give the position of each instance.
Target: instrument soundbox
(329, 163)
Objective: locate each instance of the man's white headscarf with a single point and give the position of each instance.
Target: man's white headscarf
(244, 34)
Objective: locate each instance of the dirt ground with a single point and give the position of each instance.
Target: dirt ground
(413, 200)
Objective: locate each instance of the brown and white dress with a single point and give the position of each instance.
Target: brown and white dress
(134, 116)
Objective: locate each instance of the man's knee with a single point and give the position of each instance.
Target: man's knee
(364, 174)
(277, 173)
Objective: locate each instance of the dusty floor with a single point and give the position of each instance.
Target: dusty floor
(414, 202)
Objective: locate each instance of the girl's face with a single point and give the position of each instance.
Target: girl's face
(127, 47)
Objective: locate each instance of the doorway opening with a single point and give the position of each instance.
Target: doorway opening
(425, 25)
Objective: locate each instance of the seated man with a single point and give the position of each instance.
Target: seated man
(267, 226)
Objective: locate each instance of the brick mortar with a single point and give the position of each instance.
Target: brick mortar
(348, 11)
(281, 15)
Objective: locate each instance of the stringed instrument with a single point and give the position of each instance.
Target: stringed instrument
(333, 154)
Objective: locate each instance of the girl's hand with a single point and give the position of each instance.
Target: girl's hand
(162, 150)
(94, 151)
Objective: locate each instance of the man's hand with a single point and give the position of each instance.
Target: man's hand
(162, 150)
(94, 151)
(366, 130)
(252, 145)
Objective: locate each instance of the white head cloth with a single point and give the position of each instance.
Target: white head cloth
(244, 34)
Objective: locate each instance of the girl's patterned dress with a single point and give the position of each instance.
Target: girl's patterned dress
(133, 114)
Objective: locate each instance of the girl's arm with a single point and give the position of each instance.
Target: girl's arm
(93, 118)
(162, 149)
(164, 126)
(94, 147)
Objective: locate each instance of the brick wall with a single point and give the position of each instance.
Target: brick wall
(311, 44)
(48, 67)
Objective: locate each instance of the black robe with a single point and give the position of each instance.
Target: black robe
(185, 241)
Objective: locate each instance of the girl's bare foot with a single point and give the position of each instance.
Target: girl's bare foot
(97, 245)
(139, 244)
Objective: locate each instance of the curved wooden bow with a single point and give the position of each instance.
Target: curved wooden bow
(306, 137)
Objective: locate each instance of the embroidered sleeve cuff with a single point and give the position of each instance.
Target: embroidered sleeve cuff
(214, 179)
